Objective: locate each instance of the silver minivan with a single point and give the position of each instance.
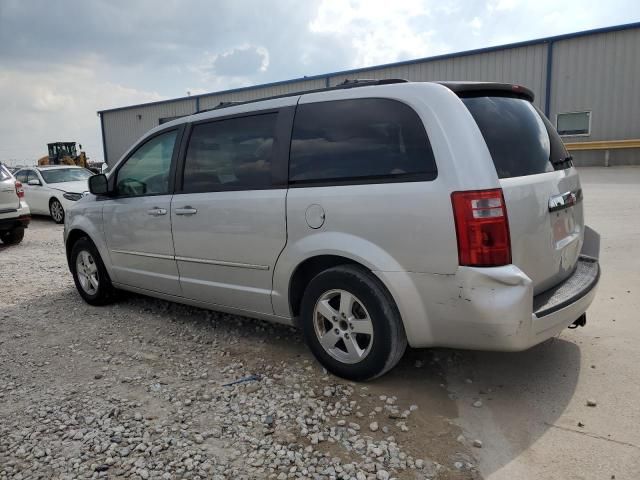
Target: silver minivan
(372, 215)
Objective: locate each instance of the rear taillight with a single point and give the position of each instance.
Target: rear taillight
(482, 228)
(19, 189)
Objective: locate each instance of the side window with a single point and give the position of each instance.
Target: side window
(21, 176)
(32, 175)
(146, 172)
(358, 140)
(231, 154)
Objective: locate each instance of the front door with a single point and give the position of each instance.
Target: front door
(137, 222)
(229, 217)
(37, 196)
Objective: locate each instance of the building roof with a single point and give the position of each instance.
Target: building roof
(614, 28)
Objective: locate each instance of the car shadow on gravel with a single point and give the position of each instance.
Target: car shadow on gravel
(509, 400)
(144, 349)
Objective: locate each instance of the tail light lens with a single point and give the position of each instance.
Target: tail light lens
(482, 228)
(19, 189)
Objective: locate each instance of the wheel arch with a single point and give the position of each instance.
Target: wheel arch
(52, 198)
(76, 233)
(57, 199)
(306, 270)
(72, 237)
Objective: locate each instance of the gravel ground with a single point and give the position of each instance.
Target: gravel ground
(137, 390)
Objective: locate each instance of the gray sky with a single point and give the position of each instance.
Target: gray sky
(61, 61)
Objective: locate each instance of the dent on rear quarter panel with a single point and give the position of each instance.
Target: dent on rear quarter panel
(479, 307)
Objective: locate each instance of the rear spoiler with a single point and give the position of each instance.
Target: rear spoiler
(472, 89)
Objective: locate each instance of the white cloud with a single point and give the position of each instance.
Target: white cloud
(52, 82)
(46, 100)
(40, 107)
(245, 59)
(379, 31)
(476, 25)
(502, 5)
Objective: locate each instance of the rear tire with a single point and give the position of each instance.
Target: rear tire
(90, 275)
(13, 236)
(56, 210)
(351, 323)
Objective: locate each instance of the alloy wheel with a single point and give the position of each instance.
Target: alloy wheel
(57, 212)
(87, 272)
(343, 326)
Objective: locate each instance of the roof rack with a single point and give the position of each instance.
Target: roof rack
(347, 83)
(361, 82)
(225, 104)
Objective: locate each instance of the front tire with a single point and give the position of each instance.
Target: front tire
(56, 210)
(13, 236)
(90, 275)
(352, 324)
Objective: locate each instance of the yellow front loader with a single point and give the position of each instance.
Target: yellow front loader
(64, 153)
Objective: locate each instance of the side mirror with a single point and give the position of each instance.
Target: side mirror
(34, 182)
(98, 184)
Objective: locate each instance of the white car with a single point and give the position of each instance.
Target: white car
(52, 190)
(14, 212)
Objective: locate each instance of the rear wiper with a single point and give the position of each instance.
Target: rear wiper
(557, 163)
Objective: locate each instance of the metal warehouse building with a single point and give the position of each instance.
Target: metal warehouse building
(587, 83)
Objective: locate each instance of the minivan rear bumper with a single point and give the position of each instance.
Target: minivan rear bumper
(492, 308)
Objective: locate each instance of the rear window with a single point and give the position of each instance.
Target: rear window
(359, 140)
(520, 138)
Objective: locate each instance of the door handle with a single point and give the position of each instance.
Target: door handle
(156, 212)
(186, 211)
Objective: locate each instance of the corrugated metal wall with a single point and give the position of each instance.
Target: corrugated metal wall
(599, 72)
(123, 127)
(524, 65)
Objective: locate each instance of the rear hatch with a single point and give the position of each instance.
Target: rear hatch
(541, 188)
(9, 200)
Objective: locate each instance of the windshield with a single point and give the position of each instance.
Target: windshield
(520, 138)
(61, 175)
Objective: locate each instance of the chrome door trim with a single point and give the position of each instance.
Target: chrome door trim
(144, 254)
(223, 263)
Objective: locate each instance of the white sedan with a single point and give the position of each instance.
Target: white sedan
(51, 190)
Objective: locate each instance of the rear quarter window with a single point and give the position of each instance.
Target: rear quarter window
(359, 140)
(520, 138)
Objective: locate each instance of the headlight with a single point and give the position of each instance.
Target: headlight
(74, 197)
